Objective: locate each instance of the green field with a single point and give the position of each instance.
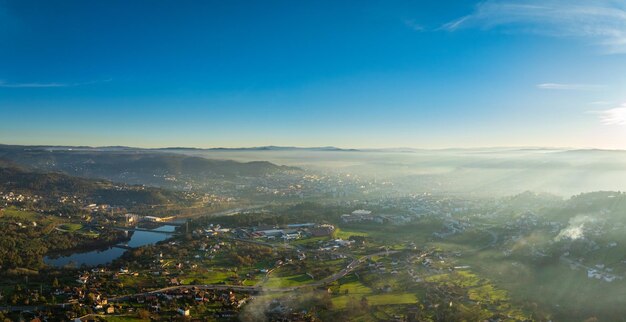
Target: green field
(69, 227)
(122, 319)
(346, 233)
(351, 284)
(287, 281)
(208, 277)
(12, 212)
(351, 287)
(341, 301)
(308, 242)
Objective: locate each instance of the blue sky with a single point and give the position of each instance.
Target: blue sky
(426, 74)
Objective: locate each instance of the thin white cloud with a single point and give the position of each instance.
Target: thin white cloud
(569, 87)
(602, 22)
(613, 116)
(47, 85)
(32, 85)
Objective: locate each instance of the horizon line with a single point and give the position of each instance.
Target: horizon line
(364, 149)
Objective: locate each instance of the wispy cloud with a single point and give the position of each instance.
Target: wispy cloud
(602, 22)
(569, 87)
(32, 85)
(47, 85)
(613, 116)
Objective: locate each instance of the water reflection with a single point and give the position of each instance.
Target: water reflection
(100, 257)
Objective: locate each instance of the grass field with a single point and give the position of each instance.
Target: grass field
(346, 233)
(19, 214)
(308, 242)
(122, 319)
(208, 277)
(71, 227)
(351, 287)
(136, 282)
(341, 301)
(287, 281)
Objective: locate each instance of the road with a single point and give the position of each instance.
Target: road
(256, 289)
(231, 212)
(22, 308)
(351, 267)
(572, 262)
(252, 289)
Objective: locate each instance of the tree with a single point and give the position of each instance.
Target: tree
(364, 303)
(143, 314)
(353, 306)
(55, 283)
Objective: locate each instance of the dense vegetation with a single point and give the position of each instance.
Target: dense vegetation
(277, 215)
(23, 244)
(53, 185)
(135, 166)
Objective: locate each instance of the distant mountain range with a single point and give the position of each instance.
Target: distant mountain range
(22, 180)
(126, 148)
(265, 148)
(481, 170)
(135, 166)
(295, 148)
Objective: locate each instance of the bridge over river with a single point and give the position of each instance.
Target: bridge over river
(154, 230)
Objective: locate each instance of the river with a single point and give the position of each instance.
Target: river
(101, 257)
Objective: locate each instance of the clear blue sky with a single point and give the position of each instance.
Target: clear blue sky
(314, 73)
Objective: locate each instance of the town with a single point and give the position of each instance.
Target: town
(395, 257)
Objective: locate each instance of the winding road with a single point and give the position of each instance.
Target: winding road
(256, 289)
(252, 289)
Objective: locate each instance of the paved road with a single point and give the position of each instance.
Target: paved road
(216, 287)
(22, 308)
(577, 264)
(231, 212)
(351, 267)
(252, 289)
(255, 289)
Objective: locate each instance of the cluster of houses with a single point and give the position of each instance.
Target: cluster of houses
(601, 272)
(381, 267)
(335, 244)
(11, 197)
(100, 302)
(215, 230)
(69, 199)
(96, 207)
(308, 185)
(229, 300)
(452, 227)
(287, 232)
(361, 215)
(24, 225)
(426, 205)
